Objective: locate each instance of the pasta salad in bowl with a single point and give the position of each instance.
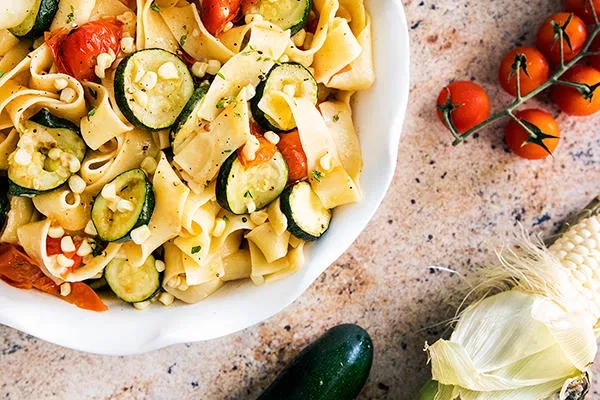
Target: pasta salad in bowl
(173, 151)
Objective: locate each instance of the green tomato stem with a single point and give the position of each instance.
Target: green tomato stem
(520, 100)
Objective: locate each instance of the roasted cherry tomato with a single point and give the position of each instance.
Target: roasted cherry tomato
(265, 152)
(53, 248)
(19, 270)
(547, 37)
(582, 9)
(218, 13)
(469, 103)
(290, 147)
(570, 99)
(533, 72)
(516, 137)
(75, 52)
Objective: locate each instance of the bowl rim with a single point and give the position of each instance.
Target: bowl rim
(165, 337)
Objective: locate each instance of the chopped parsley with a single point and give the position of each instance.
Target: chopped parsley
(71, 15)
(227, 151)
(93, 93)
(92, 112)
(154, 7)
(248, 194)
(220, 75)
(225, 218)
(317, 175)
(336, 117)
(2, 74)
(196, 249)
(222, 103)
(182, 40)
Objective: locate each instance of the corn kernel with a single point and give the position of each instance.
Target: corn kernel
(76, 184)
(168, 71)
(67, 245)
(65, 289)
(56, 232)
(141, 234)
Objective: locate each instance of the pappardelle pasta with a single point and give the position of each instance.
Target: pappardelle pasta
(162, 148)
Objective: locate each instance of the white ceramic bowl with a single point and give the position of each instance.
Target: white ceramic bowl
(123, 330)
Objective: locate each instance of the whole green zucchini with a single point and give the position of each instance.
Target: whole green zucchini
(334, 367)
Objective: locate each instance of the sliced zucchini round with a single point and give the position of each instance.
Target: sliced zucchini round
(272, 112)
(238, 186)
(36, 166)
(288, 14)
(188, 119)
(152, 87)
(132, 284)
(115, 224)
(38, 20)
(307, 218)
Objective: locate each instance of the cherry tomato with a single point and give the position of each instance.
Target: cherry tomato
(516, 137)
(534, 72)
(53, 248)
(265, 152)
(290, 147)
(582, 9)
(218, 13)
(75, 52)
(19, 270)
(548, 43)
(570, 100)
(470, 104)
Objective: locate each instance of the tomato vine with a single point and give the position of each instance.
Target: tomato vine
(536, 136)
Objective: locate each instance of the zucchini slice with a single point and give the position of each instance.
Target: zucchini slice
(272, 112)
(238, 186)
(288, 14)
(152, 87)
(114, 224)
(188, 120)
(36, 166)
(307, 218)
(38, 19)
(132, 284)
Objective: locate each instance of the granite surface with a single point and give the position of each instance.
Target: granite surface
(447, 206)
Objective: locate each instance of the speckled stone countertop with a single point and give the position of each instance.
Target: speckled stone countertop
(447, 206)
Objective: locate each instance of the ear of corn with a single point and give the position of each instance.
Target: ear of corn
(535, 338)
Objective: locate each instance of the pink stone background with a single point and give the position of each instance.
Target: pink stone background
(447, 206)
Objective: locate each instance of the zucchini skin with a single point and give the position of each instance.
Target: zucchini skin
(144, 216)
(187, 111)
(45, 118)
(121, 95)
(302, 23)
(293, 228)
(43, 20)
(4, 203)
(334, 367)
(17, 190)
(222, 179)
(257, 113)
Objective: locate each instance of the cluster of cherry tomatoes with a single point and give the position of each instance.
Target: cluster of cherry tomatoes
(533, 133)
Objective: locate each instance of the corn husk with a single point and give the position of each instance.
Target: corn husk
(531, 336)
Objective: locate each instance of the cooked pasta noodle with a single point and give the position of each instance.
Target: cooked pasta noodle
(159, 144)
